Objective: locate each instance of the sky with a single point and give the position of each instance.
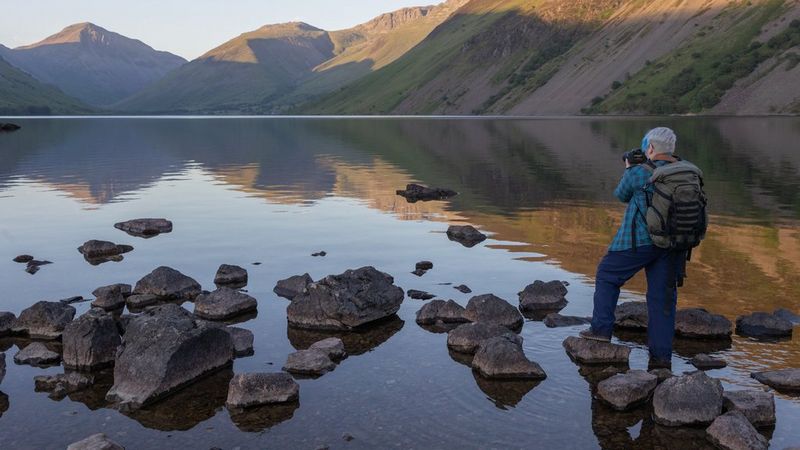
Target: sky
(187, 28)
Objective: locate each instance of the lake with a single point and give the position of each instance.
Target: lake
(275, 190)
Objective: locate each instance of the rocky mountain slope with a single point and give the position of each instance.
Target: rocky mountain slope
(21, 94)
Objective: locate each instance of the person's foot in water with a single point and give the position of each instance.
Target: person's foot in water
(592, 336)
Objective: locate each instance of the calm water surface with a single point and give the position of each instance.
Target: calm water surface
(273, 191)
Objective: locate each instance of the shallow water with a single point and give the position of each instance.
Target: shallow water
(274, 191)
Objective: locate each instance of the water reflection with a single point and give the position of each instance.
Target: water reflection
(504, 393)
(254, 420)
(356, 342)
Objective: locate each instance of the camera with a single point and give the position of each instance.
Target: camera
(634, 157)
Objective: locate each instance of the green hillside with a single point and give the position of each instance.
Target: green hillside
(21, 94)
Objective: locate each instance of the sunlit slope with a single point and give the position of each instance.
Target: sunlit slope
(21, 94)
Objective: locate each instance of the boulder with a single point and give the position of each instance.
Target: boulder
(7, 320)
(419, 295)
(44, 320)
(168, 283)
(223, 304)
(785, 314)
(164, 349)
(108, 297)
(467, 337)
(465, 235)
(757, 406)
(698, 323)
(91, 341)
(416, 192)
(228, 274)
(706, 362)
(732, 431)
(782, 380)
(293, 286)
(97, 441)
(585, 351)
(441, 311)
(763, 325)
(502, 357)
(23, 258)
(333, 347)
(145, 227)
(556, 320)
(140, 301)
(463, 288)
(37, 354)
(626, 390)
(491, 309)
(253, 389)
(242, 340)
(346, 301)
(99, 249)
(62, 384)
(688, 400)
(312, 362)
(541, 296)
(631, 316)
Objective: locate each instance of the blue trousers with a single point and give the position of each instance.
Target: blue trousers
(618, 267)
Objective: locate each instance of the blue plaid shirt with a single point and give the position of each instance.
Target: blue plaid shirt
(630, 191)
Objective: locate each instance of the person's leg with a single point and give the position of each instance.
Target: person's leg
(662, 296)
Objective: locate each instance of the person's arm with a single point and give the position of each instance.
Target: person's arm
(631, 182)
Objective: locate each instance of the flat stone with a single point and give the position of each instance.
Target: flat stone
(706, 362)
(556, 320)
(145, 227)
(333, 347)
(757, 406)
(491, 309)
(698, 323)
(465, 235)
(139, 301)
(309, 362)
(785, 314)
(784, 379)
(732, 431)
(441, 311)
(585, 351)
(502, 358)
(463, 288)
(62, 384)
(108, 297)
(97, 441)
(541, 296)
(419, 295)
(37, 354)
(168, 282)
(7, 320)
(417, 192)
(242, 340)
(44, 320)
(23, 258)
(763, 325)
(467, 337)
(228, 274)
(253, 389)
(99, 249)
(91, 341)
(631, 316)
(223, 304)
(688, 400)
(293, 286)
(626, 390)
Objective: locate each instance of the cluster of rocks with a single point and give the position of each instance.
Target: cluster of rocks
(422, 267)
(145, 228)
(98, 252)
(321, 357)
(690, 323)
(416, 192)
(32, 264)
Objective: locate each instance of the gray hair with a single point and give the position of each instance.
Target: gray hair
(663, 140)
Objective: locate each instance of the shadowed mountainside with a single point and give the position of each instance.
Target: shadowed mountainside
(21, 94)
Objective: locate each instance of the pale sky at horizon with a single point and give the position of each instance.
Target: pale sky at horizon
(187, 28)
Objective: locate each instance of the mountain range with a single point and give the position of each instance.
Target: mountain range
(460, 57)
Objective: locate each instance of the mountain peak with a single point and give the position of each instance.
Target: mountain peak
(84, 32)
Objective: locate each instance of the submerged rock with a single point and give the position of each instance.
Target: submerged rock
(541, 296)
(419, 272)
(700, 324)
(145, 227)
(463, 288)
(253, 389)
(489, 308)
(323, 253)
(757, 406)
(419, 295)
(687, 400)
(37, 354)
(108, 297)
(467, 337)
(9, 127)
(441, 311)
(346, 301)
(313, 362)
(732, 431)
(293, 286)
(7, 320)
(44, 320)
(228, 274)
(223, 304)
(763, 325)
(332, 346)
(706, 362)
(99, 249)
(168, 283)
(465, 235)
(631, 316)
(416, 192)
(782, 380)
(585, 351)
(502, 357)
(626, 390)
(556, 320)
(97, 441)
(23, 258)
(91, 341)
(62, 384)
(164, 349)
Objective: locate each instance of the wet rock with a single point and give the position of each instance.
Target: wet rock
(91, 341)
(145, 227)
(97, 441)
(293, 286)
(44, 320)
(62, 384)
(501, 357)
(556, 320)
(706, 362)
(164, 349)
(309, 362)
(416, 192)
(23, 259)
(785, 314)
(782, 380)
(7, 320)
(541, 296)
(631, 316)
(467, 337)
(419, 295)
(424, 265)
(491, 309)
(37, 354)
(757, 406)
(223, 304)
(2, 366)
(9, 127)
(228, 274)
(419, 272)
(626, 390)
(108, 297)
(662, 374)
(99, 249)
(732, 431)
(346, 301)
(169, 283)
(322, 253)
(441, 311)
(465, 235)
(140, 301)
(463, 288)
(700, 324)
(688, 400)
(763, 325)
(333, 347)
(242, 340)
(585, 351)
(253, 389)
